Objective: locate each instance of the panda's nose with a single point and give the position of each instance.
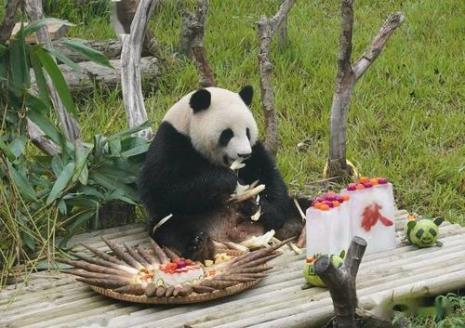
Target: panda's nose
(244, 155)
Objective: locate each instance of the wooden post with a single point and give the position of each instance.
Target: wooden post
(69, 125)
(122, 15)
(347, 76)
(130, 71)
(341, 283)
(266, 28)
(8, 20)
(192, 35)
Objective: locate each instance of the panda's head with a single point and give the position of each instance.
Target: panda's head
(219, 123)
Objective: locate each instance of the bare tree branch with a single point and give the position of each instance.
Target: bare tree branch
(38, 138)
(266, 28)
(130, 70)
(390, 25)
(8, 20)
(122, 15)
(341, 283)
(192, 35)
(69, 124)
(347, 76)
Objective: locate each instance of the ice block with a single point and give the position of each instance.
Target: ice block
(372, 211)
(328, 225)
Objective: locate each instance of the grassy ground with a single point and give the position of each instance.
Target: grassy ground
(406, 116)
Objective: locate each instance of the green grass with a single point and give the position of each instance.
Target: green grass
(406, 116)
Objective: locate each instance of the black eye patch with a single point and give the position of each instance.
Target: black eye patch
(225, 136)
(420, 233)
(432, 232)
(247, 131)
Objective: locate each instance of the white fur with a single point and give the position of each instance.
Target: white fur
(227, 110)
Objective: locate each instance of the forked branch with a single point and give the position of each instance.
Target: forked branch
(266, 28)
(347, 76)
(192, 36)
(390, 25)
(341, 283)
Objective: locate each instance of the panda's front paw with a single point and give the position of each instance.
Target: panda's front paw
(200, 247)
(247, 208)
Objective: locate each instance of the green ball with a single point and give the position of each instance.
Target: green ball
(423, 233)
(312, 278)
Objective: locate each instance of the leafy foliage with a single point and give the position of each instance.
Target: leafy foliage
(71, 186)
(446, 311)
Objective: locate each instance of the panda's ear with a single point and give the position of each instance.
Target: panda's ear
(200, 100)
(246, 94)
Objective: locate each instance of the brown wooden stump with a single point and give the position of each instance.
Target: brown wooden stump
(341, 283)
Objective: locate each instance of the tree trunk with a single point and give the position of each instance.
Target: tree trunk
(347, 76)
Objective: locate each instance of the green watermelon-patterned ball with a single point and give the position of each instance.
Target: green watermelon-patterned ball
(309, 270)
(423, 233)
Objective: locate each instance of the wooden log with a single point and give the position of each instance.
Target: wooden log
(92, 75)
(341, 283)
(56, 30)
(110, 48)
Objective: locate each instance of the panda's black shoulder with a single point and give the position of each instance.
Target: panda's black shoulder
(171, 145)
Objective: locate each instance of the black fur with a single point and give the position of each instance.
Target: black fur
(200, 100)
(274, 200)
(246, 94)
(177, 179)
(225, 137)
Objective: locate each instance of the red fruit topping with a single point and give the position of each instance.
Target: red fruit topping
(360, 186)
(169, 267)
(339, 198)
(352, 186)
(367, 185)
(181, 264)
(382, 180)
(319, 199)
(328, 202)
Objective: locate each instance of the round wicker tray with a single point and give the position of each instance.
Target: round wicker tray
(192, 298)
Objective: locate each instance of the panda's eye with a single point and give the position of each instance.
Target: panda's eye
(247, 131)
(432, 232)
(225, 136)
(420, 233)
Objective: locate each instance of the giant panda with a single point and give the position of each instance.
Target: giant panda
(187, 174)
